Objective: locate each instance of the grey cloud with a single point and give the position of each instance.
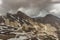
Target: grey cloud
(25, 3)
(30, 7)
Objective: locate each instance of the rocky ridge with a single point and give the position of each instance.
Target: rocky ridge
(19, 24)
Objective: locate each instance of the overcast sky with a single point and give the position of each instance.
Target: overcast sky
(32, 8)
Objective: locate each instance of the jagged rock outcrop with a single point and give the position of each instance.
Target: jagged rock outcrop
(42, 27)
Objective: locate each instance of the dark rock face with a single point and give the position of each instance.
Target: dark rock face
(22, 15)
(1, 19)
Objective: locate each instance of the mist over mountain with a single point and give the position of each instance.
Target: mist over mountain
(30, 7)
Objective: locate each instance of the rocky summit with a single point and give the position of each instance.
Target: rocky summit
(19, 26)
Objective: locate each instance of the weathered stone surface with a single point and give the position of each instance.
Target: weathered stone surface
(15, 25)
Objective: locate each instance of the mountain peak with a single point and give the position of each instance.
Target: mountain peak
(22, 15)
(50, 15)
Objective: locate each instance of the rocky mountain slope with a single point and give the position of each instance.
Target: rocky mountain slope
(19, 24)
(51, 20)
